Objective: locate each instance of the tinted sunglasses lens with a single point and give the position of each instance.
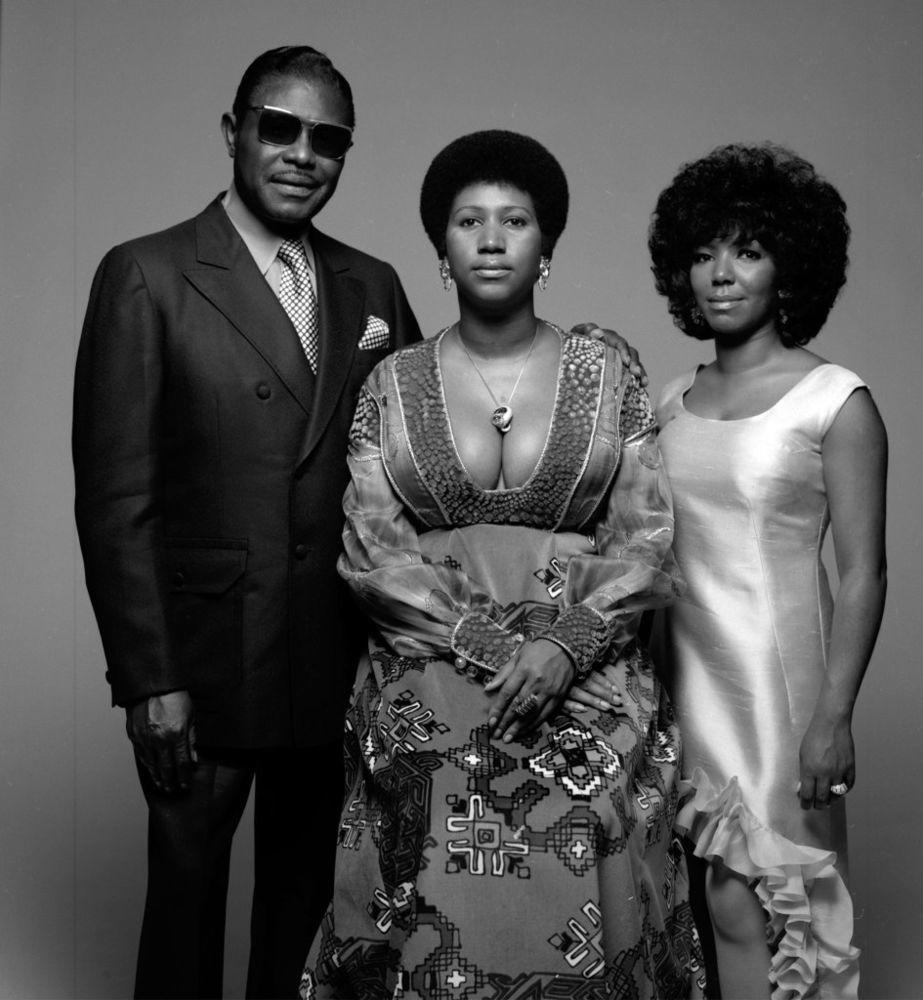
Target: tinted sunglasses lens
(330, 140)
(278, 128)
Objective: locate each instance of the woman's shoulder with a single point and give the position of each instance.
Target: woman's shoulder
(413, 365)
(409, 357)
(816, 398)
(827, 382)
(419, 348)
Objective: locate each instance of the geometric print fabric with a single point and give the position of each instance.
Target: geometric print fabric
(296, 293)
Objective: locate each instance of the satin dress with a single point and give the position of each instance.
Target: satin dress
(467, 867)
(747, 649)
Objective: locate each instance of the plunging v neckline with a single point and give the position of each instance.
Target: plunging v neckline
(530, 479)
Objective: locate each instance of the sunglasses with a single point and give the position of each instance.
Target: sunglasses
(278, 127)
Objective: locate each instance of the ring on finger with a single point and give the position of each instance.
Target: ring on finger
(523, 706)
(841, 788)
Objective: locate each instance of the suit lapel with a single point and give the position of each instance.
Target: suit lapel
(228, 277)
(341, 305)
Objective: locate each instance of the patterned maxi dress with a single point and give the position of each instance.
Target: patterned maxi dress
(470, 868)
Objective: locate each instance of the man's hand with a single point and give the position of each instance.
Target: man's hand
(626, 352)
(164, 737)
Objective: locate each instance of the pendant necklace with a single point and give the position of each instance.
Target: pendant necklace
(502, 416)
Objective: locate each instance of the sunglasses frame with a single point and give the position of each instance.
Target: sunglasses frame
(306, 123)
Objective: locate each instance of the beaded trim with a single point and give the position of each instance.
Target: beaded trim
(636, 415)
(582, 633)
(366, 421)
(480, 640)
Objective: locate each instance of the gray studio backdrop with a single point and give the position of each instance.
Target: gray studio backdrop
(109, 118)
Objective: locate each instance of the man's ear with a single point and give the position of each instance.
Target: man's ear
(229, 131)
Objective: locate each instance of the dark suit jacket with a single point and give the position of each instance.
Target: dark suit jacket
(210, 469)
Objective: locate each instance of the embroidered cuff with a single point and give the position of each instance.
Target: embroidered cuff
(478, 639)
(582, 633)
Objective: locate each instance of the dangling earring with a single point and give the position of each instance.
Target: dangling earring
(445, 273)
(781, 313)
(544, 269)
(695, 314)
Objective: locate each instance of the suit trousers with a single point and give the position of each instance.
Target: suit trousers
(299, 794)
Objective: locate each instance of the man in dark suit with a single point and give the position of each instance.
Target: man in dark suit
(216, 378)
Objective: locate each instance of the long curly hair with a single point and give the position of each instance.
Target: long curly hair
(500, 157)
(759, 192)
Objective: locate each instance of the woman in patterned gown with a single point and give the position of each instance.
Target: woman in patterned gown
(764, 447)
(508, 521)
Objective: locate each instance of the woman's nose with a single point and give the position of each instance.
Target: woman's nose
(722, 269)
(491, 239)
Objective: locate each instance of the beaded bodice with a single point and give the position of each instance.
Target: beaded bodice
(573, 473)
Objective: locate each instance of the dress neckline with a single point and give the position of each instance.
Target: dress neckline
(526, 483)
(753, 416)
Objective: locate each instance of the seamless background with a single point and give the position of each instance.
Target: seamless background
(109, 117)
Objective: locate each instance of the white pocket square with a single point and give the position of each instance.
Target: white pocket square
(377, 335)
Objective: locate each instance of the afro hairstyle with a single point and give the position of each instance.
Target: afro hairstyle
(499, 157)
(754, 192)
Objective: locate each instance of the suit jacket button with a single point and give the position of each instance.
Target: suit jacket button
(263, 391)
(179, 578)
(301, 551)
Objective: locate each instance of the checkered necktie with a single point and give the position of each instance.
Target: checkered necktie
(296, 293)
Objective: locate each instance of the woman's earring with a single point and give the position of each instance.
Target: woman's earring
(445, 273)
(544, 269)
(695, 314)
(781, 313)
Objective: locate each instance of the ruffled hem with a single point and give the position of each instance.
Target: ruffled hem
(808, 906)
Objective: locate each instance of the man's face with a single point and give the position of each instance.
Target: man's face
(285, 186)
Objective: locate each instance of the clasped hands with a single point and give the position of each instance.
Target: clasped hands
(536, 681)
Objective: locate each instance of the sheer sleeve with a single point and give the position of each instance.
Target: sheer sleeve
(421, 608)
(632, 568)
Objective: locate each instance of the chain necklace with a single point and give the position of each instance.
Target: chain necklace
(502, 416)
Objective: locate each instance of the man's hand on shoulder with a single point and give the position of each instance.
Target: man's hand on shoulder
(629, 356)
(162, 731)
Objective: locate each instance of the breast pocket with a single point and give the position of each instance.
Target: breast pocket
(206, 608)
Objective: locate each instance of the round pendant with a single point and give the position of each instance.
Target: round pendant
(502, 419)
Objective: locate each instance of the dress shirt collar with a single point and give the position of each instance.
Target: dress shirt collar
(262, 243)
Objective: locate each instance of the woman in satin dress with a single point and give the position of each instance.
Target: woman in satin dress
(764, 447)
(507, 523)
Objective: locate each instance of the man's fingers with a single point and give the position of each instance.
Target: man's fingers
(184, 763)
(144, 759)
(164, 769)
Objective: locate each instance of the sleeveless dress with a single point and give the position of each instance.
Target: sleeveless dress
(467, 867)
(747, 647)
